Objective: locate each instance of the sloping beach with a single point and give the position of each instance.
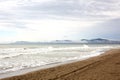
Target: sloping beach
(103, 67)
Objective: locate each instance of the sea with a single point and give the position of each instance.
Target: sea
(17, 57)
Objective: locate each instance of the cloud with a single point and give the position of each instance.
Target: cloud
(33, 17)
(109, 29)
(18, 10)
(74, 8)
(32, 9)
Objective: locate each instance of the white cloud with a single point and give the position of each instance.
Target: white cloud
(82, 9)
(8, 5)
(51, 29)
(36, 20)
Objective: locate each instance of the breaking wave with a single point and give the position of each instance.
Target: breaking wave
(12, 59)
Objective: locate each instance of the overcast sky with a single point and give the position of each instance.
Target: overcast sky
(44, 20)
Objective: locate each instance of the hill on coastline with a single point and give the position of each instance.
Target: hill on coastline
(97, 40)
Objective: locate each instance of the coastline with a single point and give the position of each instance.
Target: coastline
(79, 70)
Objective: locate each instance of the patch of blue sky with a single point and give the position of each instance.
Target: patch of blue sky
(7, 33)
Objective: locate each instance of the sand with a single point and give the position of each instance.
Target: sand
(103, 67)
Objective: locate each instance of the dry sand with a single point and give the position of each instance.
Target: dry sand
(103, 67)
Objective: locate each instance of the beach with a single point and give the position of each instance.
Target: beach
(102, 67)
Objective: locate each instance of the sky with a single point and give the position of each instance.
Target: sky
(46, 20)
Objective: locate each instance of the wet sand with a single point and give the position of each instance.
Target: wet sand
(103, 67)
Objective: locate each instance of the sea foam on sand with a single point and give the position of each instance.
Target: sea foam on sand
(19, 58)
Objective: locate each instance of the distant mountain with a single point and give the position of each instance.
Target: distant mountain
(97, 40)
(62, 41)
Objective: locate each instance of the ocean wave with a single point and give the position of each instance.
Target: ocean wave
(13, 52)
(12, 59)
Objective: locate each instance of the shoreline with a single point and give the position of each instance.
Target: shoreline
(61, 71)
(51, 65)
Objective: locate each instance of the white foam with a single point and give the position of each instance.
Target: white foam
(12, 59)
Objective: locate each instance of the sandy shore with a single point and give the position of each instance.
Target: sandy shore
(103, 67)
